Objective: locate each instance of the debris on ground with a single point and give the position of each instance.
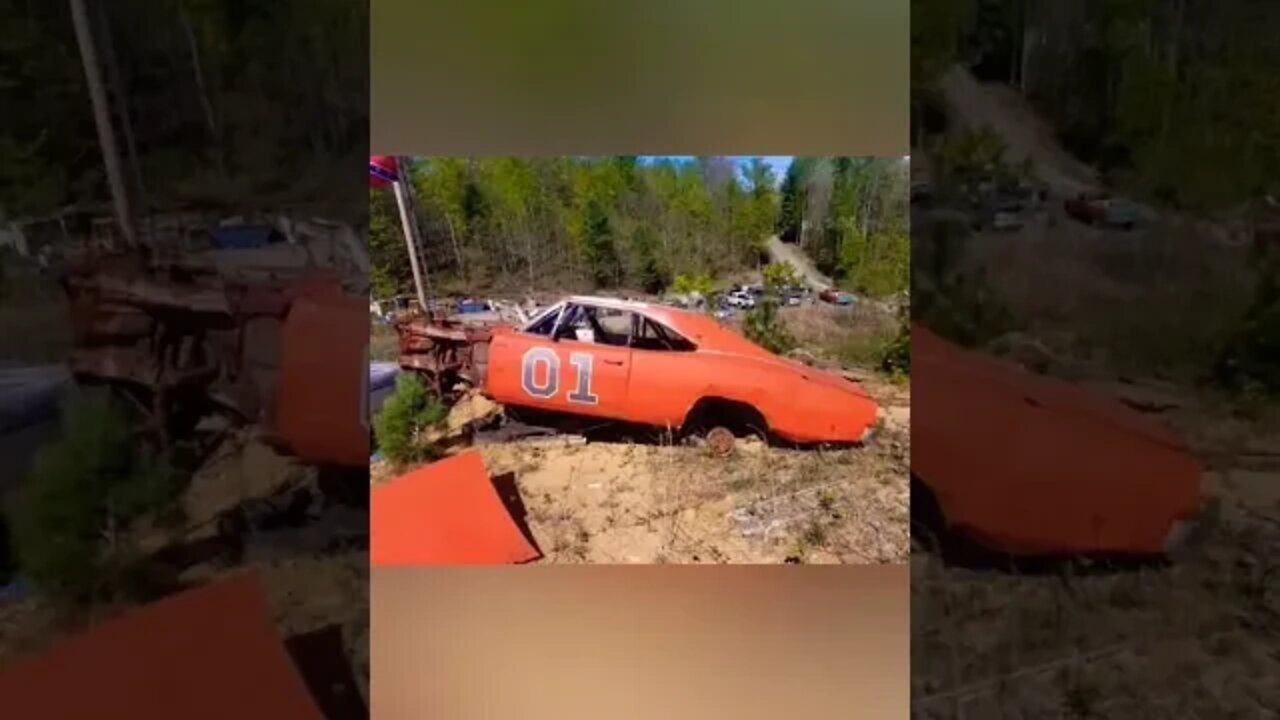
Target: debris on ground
(472, 411)
(446, 512)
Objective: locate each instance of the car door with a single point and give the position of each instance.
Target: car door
(566, 370)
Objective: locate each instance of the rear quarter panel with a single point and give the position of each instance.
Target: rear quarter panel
(665, 386)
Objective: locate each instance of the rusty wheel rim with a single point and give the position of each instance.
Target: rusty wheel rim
(720, 441)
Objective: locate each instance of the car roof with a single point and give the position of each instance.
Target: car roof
(703, 330)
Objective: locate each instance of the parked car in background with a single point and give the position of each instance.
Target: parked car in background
(836, 296)
(1007, 213)
(1100, 208)
(471, 305)
(740, 299)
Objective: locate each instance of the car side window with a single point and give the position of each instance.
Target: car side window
(602, 326)
(650, 335)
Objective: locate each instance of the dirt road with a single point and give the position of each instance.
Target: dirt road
(977, 104)
(782, 252)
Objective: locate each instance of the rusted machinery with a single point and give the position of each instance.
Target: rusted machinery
(446, 353)
(187, 339)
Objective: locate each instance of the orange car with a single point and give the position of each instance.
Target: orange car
(1032, 466)
(668, 368)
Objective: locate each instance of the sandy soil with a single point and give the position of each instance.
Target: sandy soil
(606, 502)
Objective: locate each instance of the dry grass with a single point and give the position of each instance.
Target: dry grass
(850, 336)
(1162, 299)
(1194, 640)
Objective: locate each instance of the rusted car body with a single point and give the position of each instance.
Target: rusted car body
(185, 339)
(643, 364)
(131, 666)
(1033, 466)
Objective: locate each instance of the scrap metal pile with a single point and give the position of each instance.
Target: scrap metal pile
(217, 334)
(450, 350)
(446, 353)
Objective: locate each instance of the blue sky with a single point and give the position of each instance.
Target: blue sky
(779, 163)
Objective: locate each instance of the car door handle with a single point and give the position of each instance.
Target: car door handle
(612, 362)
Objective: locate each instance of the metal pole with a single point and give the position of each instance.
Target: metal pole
(102, 118)
(411, 202)
(409, 241)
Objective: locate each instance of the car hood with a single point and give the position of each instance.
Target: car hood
(826, 380)
(1033, 465)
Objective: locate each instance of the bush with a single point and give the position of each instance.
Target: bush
(409, 411)
(684, 284)
(780, 275)
(764, 327)
(1250, 362)
(895, 355)
(72, 514)
(951, 302)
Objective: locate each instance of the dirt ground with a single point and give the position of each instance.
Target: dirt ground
(1197, 639)
(614, 502)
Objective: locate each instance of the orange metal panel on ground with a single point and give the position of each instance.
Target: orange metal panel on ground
(1034, 465)
(206, 654)
(319, 412)
(445, 513)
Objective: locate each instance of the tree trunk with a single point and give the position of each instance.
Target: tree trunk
(119, 89)
(197, 70)
(457, 250)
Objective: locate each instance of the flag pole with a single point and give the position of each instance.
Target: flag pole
(410, 236)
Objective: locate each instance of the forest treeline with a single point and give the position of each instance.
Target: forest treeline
(231, 105)
(851, 215)
(624, 222)
(1175, 101)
